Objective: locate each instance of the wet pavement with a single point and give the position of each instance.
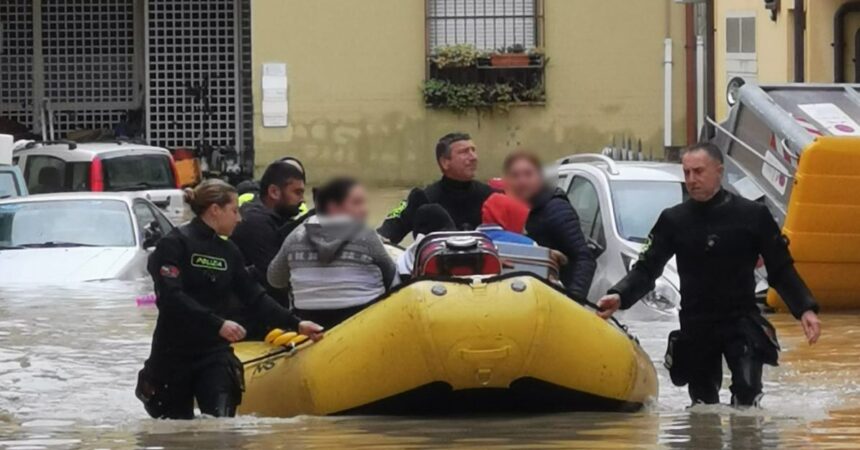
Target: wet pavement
(69, 358)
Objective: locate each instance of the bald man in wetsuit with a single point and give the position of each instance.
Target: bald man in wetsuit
(717, 238)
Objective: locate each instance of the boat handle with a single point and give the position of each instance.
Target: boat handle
(484, 355)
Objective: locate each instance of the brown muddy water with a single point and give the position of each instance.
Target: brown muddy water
(69, 357)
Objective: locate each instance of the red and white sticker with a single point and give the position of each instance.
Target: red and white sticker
(168, 271)
(773, 172)
(832, 118)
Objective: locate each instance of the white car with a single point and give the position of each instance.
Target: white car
(75, 237)
(68, 166)
(11, 180)
(618, 204)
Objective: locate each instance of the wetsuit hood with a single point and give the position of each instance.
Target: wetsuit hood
(328, 235)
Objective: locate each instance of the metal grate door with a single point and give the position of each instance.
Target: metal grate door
(186, 42)
(88, 51)
(16, 61)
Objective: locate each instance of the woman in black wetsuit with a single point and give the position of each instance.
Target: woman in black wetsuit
(198, 274)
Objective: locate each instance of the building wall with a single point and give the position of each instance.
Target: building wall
(356, 69)
(775, 43)
(774, 49)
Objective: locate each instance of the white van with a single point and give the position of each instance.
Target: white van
(66, 166)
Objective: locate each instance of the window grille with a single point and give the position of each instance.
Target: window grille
(486, 24)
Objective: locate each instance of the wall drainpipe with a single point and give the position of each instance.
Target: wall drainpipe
(667, 93)
(839, 39)
(691, 59)
(799, 44)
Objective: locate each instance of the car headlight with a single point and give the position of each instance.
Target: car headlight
(664, 297)
(628, 261)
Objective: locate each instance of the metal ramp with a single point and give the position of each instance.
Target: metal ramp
(796, 148)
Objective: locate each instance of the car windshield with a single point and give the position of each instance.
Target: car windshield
(638, 204)
(65, 223)
(8, 187)
(138, 173)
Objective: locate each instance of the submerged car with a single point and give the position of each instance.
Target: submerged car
(11, 182)
(618, 202)
(75, 237)
(11, 179)
(67, 166)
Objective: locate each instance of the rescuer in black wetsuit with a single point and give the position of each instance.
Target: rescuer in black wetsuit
(197, 274)
(266, 222)
(457, 192)
(717, 238)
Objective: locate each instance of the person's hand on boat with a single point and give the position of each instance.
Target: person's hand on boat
(311, 330)
(232, 331)
(811, 326)
(608, 305)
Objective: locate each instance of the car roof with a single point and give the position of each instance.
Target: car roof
(96, 147)
(126, 197)
(634, 170)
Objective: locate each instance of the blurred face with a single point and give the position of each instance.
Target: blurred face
(702, 174)
(223, 219)
(285, 200)
(354, 205)
(523, 180)
(462, 164)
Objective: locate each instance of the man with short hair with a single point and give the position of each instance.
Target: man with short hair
(457, 191)
(717, 238)
(269, 218)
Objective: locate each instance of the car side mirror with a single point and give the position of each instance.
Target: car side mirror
(595, 247)
(151, 235)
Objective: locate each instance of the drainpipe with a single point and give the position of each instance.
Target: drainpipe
(799, 44)
(700, 81)
(667, 93)
(710, 65)
(839, 39)
(690, 47)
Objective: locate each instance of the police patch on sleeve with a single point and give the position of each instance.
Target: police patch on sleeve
(168, 271)
(397, 211)
(645, 246)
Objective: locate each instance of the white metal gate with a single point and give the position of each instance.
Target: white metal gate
(188, 42)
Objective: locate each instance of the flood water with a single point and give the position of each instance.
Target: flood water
(69, 358)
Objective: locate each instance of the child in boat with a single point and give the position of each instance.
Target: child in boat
(504, 220)
(335, 264)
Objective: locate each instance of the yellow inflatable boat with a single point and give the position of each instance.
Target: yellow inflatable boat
(475, 344)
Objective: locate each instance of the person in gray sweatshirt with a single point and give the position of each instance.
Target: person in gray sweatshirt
(335, 264)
